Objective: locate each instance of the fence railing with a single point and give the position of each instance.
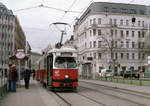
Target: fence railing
(132, 81)
(3, 86)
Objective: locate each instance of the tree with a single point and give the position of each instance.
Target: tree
(111, 45)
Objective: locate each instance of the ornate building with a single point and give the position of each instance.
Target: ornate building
(113, 36)
(7, 26)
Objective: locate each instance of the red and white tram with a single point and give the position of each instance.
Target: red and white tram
(58, 68)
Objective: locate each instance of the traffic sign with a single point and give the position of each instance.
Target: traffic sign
(20, 54)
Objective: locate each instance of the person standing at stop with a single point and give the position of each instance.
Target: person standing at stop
(27, 73)
(14, 79)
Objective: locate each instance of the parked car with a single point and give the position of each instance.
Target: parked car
(105, 73)
(130, 73)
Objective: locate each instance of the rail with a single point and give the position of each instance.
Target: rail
(132, 81)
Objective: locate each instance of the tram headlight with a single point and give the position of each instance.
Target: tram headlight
(66, 76)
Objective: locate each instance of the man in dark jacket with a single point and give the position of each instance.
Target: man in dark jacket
(27, 73)
(14, 78)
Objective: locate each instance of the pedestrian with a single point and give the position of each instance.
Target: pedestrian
(14, 78)
(27, 73)
(33, 74)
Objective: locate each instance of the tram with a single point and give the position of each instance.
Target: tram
(58, 69)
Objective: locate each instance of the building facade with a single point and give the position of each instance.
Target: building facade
(7, 26)
(28, 54)
(113, 36)
(19, 36)
(34, 60)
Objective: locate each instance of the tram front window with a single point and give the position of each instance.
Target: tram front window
(65, 62)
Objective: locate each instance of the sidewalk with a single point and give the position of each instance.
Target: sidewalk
(142, 89)
(35, 96)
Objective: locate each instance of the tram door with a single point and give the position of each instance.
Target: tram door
(49, 69)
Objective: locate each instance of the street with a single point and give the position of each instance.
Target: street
(88, 94)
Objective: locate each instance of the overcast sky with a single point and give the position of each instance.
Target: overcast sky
(36, 21)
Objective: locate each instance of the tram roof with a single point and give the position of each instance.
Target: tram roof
(63, 49)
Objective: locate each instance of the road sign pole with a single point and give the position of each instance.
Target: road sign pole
(19, 69)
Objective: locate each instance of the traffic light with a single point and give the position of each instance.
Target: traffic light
(133, 19)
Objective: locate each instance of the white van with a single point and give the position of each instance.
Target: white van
(105, 73)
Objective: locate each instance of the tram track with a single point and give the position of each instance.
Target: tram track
(139, 104)
(93, 100)
(135, 93)
(62, 98)
(106, 91)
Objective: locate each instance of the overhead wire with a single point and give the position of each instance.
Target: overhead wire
(25, 9)
(68, 9)
(44, 6)
(82, 11)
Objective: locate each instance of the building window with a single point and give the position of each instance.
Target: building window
(139, 23)
(110, 21)
(139, 55)
(133, 44)
(90, 44)
(143, 44)
(94, 44)
(127, 22)
(106, 9)
(116, 55)
(90, 32)
(133, 56)
(142, 23)
(113, 10)
(132, 11)
(143, 34)
(124, 10)
(127, 33)
(132, 33)
(85, 45)
(121, 22)
(127, 55)
(139, 45)
(127, 44)
(116, 33)
(99, 43)
(115, 21)
(99, 32)
(139, 34)
(94, 32)
(141, 12)
(121, 33)
(99, 20)
(99, 55)
(116, 44)
(112, 43)
(94, 55)
(143, 56)
(121, 55)
(122, 43)
(111, 31)
(94, 21)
